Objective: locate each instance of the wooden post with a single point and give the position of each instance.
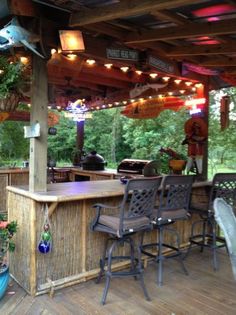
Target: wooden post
(79, 142)
(206, 118)
(39, 113)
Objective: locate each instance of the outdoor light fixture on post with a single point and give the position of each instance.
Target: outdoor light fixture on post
(71, 40)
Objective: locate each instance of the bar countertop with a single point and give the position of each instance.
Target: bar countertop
(79, 190)
(73, 191)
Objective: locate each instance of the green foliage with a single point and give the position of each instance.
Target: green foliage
(63, 144)
(12, 143)
(10, 76)
(7, 231)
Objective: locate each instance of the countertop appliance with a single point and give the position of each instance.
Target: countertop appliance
(141, 167)
(93, 162)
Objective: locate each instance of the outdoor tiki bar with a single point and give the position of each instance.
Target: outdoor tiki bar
(154, 72)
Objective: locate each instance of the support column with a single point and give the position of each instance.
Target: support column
(206, 118)
(39, 113)
(79, 142)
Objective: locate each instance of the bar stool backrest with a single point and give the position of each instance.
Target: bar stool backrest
(224, 186)
(176, 191)
(139, 198)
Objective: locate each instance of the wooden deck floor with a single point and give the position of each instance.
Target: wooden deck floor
(202, 292)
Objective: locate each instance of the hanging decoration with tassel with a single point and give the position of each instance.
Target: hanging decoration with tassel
(45, 243)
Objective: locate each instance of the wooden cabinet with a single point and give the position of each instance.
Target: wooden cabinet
(85, 175)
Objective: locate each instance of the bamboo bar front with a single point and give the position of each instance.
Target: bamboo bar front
(75, 249)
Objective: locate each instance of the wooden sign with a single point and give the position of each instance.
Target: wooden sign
(152, 108)
(161, 64)
(122, 54)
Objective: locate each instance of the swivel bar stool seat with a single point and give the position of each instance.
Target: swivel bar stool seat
(133, 215)
(173, 206)
(223, 186)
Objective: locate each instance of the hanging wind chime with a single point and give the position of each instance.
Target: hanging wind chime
(45, 243)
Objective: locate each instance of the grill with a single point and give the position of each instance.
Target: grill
(141, 167)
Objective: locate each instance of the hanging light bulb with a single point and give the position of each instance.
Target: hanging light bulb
(188, 83)
(72, 56)
(153, 75)
(24, 60)
(53, 51)
(90, 62)
(108, 65)
(177, 81)
(198, 85)
(124, 69)
(139, 72)
(166, 78)
(182, 91)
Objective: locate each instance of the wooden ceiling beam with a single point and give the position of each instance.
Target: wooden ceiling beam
(219, 62)
(87, 77)
(123, 9)
(171, 17)
(194, 30)
(192, 50)
(108, 29)
(63, 84)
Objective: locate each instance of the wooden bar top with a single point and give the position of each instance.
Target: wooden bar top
(73, 191)
(69, 191)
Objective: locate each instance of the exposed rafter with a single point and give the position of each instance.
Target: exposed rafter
(192, 50)
(194, 30)
(124, 9)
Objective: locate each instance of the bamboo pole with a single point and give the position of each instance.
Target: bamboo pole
(33, 245)
(84, 236)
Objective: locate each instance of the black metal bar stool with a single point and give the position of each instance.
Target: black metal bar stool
(223, 186)
(134, 215)
(174, 204)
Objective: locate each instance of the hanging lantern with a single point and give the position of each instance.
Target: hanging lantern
(224, 112)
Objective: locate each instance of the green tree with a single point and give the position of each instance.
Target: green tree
(62, 145)
(13, 145)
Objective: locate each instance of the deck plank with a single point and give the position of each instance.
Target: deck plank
(203, 292)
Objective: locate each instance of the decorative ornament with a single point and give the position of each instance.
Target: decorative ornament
(45, 243)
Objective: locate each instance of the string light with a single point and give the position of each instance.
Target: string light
(170, 93)
(138, 72)
(71, 56)
(90, 62)
(188, 83)
(53, 51)
(24, 60)
(166, 78)
(182, 91)
(124, 69)
(177, 81)
(108, 65)
(198, 85)
(153, 75)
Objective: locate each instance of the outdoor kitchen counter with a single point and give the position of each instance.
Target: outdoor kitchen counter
(76, 250)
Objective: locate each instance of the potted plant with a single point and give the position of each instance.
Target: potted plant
(11, 80)
(7, 231)
(176, 161)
